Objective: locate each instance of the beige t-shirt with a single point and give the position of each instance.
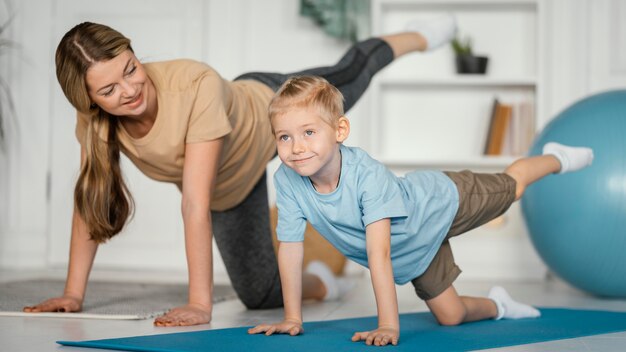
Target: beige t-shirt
(195, 105)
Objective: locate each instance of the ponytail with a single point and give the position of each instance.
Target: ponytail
(101, 195)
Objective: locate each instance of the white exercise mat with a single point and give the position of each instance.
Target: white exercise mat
(103, 300)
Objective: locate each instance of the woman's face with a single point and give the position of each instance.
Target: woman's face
(120, 86)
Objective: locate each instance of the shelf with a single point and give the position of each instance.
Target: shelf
(425, 115)
(461, 81)
(448, 3)
(442, 163)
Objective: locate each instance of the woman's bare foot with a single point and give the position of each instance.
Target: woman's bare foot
(191, 314)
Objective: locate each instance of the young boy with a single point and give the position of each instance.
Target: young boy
(399, 227)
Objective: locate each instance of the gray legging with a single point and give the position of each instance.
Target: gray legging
(243, 233)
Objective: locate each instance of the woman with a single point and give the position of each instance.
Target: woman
(179, 121)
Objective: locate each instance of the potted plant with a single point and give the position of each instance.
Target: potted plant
(466, 61)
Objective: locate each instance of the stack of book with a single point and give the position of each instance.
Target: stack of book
(511, 129)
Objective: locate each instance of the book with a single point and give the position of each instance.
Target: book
(492, 120)
(511, 128)
(499, 124)
(521, 130)
(527, 127)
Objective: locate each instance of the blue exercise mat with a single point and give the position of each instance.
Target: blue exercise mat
(419, 331)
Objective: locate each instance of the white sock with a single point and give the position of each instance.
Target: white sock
(437, 30)
(508, 308)
(336, 287)
(571, 158)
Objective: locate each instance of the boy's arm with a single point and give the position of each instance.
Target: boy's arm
(378, 237)
(290, 256)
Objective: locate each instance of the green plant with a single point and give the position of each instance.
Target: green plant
(7, 109)
(462, 46)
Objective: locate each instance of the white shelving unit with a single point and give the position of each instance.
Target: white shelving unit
(461, 81)
(424, 114)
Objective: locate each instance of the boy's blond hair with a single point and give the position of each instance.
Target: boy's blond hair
(308, 92)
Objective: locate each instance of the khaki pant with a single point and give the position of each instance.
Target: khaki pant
(482, 197)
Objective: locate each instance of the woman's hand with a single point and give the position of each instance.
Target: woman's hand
(64, 304)
(379, 337)
(191, 314)
(291, 327)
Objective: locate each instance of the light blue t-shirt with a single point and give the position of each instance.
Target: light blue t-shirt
(420, 205)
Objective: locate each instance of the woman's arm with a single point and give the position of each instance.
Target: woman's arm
(199, 177)
(82, 253)
(378, 237)
(290, 257)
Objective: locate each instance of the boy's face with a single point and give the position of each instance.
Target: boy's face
(307, 143)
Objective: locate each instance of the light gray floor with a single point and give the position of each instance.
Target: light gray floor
(39, 334)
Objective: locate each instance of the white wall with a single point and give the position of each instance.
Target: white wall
(584, 50)
(235, 37)
(582, 54)
(23, 237)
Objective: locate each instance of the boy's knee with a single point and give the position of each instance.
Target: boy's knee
(450, 321)
(450, 318)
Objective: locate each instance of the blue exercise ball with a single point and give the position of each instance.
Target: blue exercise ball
(577, 221)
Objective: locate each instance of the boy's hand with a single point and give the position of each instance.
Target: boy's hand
(379, 337)
(291, 327)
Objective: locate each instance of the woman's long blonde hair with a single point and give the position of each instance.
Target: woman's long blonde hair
(100, 196)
